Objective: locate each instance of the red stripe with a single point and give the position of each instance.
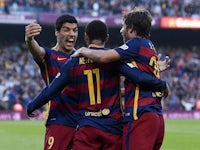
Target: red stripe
(64, 106)
(143, 102)
(107, 83)
(117, 115)
(147, 101)
(110, 101)
(52, 71)
(145, 67)
(78, 70)
(147, 52)
(69, 91)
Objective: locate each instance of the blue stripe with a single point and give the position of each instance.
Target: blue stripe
(128, 135)
(105, 124)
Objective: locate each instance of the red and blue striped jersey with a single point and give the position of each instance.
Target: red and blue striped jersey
(140, 53)
(63, 108)
(98, 90)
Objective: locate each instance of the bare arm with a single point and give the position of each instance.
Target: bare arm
(31, 31)
(110, 55)
(102, 56)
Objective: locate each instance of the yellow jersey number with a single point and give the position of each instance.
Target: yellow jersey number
(89, 74)
(50, 142)
(153, 62)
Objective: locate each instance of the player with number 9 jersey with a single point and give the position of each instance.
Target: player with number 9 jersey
(62, 113)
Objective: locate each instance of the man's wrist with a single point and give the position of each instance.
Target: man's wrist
(29, 40)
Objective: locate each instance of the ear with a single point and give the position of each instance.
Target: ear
(56, 33)
(86, 38)
(107, 37)
(132, 31)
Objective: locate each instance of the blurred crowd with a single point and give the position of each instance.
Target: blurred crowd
(183, 78)
(103, 7)
(20, 78)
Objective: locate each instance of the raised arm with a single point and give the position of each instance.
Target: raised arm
(110, 55)
(31, 31)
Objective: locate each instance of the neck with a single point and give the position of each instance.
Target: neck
(97, 43)
(67, 51)
(56, 47)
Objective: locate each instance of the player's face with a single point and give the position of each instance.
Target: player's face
(67, 36)
(124, 32)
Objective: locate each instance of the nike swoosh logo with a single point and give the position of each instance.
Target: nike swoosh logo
(61, 58)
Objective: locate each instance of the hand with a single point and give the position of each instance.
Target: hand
(79, 52)
(163, 64)
(30, 112)
(32, 30)
(166, 92)
(76, 53)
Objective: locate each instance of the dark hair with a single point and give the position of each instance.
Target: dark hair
(96, 29)
(140, 20)
(64, 19)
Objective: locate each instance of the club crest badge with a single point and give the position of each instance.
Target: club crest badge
(124, 47)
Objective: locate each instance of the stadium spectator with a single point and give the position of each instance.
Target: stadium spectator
(189, 8)
(174, 101)
(183, 75)
(62, 116)
(197, 106)
(3, 102)
(17, 107)
(14, 61)
(188, 102)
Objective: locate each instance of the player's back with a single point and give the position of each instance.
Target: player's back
(98, 86)
(140, 52)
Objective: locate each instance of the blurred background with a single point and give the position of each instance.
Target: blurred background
(175, 32)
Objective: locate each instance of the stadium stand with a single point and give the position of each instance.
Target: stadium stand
(103, 7)
(19, 75)
(20, 78)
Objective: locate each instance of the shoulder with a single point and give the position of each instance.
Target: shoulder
(72, 61)
(49, 51)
